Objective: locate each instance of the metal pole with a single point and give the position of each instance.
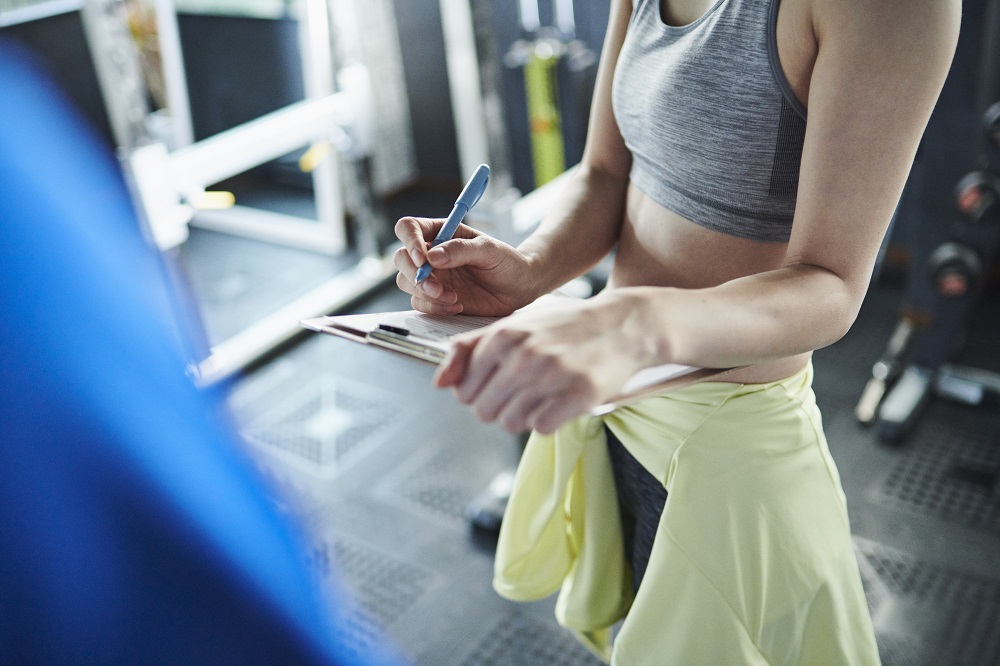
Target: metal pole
(530, 21)
(116, 59)
(174, 79)
(466, 89)
(565, 19)
(317, 65)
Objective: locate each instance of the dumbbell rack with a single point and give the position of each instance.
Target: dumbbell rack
(916, 362)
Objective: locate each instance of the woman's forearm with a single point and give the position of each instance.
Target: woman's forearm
(750, 320)
(581, 229)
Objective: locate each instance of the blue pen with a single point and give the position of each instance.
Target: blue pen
(469, 197)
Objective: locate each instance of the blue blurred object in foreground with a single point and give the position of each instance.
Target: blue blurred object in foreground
(132, 528)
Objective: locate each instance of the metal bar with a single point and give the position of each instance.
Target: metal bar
(37, 11)
(317, 67)
(174, 79)
(531, 23)
(314, 44)
(157, 198)
(466, 91)
(986, 378)
(270, 227)
(565, 19)
(258, 141)
(988, 84)
(116, 60)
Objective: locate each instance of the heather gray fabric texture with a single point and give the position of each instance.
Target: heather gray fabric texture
(715, 132)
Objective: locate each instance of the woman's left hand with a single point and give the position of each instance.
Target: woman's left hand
(539, 368)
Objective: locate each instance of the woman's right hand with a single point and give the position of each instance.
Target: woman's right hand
(473, 273)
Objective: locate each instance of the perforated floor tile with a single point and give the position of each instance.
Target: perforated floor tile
(519, 640)
(927, 614)
(327, 421)
(950, 472)
(383, 587)
(441, 485)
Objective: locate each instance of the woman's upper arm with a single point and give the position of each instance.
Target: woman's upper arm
(605, 151)
(879, 69)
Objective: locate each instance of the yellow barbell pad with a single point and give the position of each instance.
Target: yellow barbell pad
(215, 200)
(544, 121)
(314, 155)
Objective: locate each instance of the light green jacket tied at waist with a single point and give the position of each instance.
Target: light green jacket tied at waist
(752, 562)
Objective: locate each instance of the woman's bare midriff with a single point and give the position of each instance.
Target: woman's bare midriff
(659, 248)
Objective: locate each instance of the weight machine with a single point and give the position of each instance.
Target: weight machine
(544, 54)
(947, 280)
(170, 173)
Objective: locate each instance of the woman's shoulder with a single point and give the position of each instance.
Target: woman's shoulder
(922, 28)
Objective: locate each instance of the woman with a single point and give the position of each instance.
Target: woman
(744, 157)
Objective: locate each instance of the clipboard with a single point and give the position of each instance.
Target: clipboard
(427, 338)
(412, 333)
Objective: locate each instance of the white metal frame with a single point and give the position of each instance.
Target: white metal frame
(169, 183)
(167, 180)
(38, 10)
(174, 80)
(466, 88)
(258, 141)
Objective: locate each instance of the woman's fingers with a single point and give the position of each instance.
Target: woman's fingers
(491, 353)
(502, 379)
(430, 290)
(541, 400)
(415, 233)
(407, 270)
(516, 415)
(525, 379)
(452, 369)
(434, 308)
(557, 410)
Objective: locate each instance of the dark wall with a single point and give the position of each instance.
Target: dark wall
(238, 68)
(59, 44)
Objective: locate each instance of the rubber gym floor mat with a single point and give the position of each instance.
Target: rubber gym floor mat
(238, 281)
(929, 614)
(517, 639)
(379, 467)
(925, 511)
(951, 472)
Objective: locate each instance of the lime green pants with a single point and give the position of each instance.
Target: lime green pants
(752, 562)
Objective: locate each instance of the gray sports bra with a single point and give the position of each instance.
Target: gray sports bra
(713, 126)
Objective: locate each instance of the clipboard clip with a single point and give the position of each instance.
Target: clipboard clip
(401, 340)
